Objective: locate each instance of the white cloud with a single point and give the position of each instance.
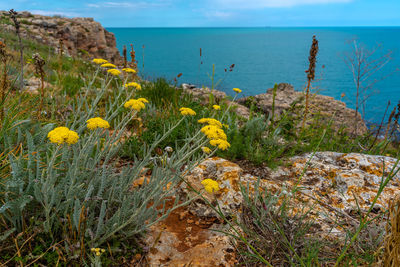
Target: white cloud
(218, 14)
(274, 3)
(54, 12)
(134, 5)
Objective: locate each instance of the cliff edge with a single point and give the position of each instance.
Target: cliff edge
(78, 36)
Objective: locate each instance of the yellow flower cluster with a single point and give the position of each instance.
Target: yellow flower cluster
(136, 104)
(100, 61)
(97, 122)
(187, 111)
(216, 107)
(211, 121)
(108, 65)
(130, 70)
(134, 84)
(98, 251)
(114, 72)
(210, 185)
(237, 90)
(206, 150)
(61, 135)
(215, 133)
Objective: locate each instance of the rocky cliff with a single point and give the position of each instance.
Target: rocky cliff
(78, 36)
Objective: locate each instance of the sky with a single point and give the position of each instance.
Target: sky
(219, 13)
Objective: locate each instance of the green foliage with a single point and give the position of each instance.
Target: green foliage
(71, 85)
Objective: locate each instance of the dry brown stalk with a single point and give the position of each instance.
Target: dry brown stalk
(310, 75)
(39, 63)
(4, 56)
(13, 15)
(124, 52)
(133, 58)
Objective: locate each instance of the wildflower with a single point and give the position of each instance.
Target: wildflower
(99, 61)
(213, 132)
(61, 135)
(187, 111)
(237, 90)
(135, 104)
(134, 84)
(143, 100)
(211, 121)
(206, 150)
(216, 107)
(130, 70)
(114, 72)
(169, 149)
(97, 251)
(222, 144)
(97, 122)
(108, 65)
(210, 185)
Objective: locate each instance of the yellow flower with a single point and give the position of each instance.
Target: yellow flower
(214, 132)
(61, 135)
(216, 107)
(134, 84)
(103, 250)
(108, 65)
(98, 253)
(211, 121)
(187, 111)
(100, 61)
(222, 144)
(93, 249)
(210, 185)
(129, 70)
(143, 100)
(206, 150)
(97, 122)
(114, 72)
(237, 90)
(135, 104)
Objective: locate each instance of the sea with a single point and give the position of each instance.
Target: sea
(267, 55)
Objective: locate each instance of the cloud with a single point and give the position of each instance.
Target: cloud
(218, 14)
(54, 12)
(134, 5)
(250, 4)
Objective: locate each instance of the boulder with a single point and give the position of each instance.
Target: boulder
(78, 35)
(325, 106)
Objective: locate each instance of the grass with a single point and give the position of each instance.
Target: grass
(48, 231)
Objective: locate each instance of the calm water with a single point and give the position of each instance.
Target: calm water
(264, 56)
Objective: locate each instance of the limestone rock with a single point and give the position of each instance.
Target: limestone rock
(186, 240)
(80, 36)
(229, 176)
(324, 105)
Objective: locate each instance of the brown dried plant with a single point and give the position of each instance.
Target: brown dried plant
(124, 52)
(310, 75)
(17, 25)
(4, 57)
(391, 257)
(133, 58)
(39, 71)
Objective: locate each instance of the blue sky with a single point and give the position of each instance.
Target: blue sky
(219, 13)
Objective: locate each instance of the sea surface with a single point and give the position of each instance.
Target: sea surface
(265, 56)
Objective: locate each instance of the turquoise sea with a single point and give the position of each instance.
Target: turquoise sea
(264, 56)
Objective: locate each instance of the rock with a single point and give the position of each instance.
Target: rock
(79, 35)
(33, 85)
(334, 183)
(330, 188)
(229, 176)
(183, 239)
(319, 104)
